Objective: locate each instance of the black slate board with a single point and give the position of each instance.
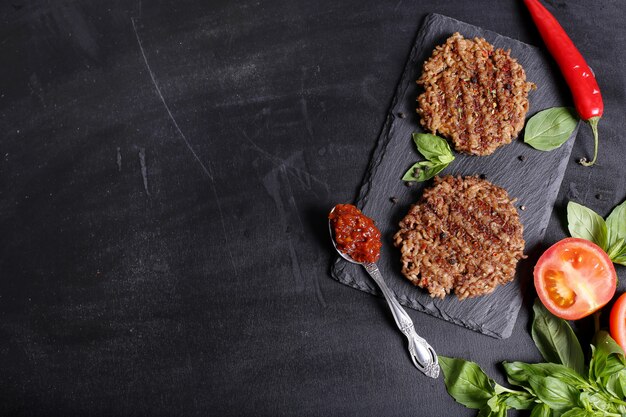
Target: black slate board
(535, 182)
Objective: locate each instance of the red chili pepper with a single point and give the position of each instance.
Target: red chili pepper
(578, 75)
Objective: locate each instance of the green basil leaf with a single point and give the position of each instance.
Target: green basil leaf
(598, 401)
(556, 340)
(494, 403)
(616, 249)
(423, 170)
(554, 392)
(466, 382)
(551, 128)
(518, 373)
(541, 410)
(620, 259)
(616, 384)
(485, 412)
(519, 400)
(434, 148)
(612, 365)
(577, 412)
(585, 223)
(616, 225)
(607, 358)
(593, 363)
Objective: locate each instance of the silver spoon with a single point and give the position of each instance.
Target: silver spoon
(422, 354)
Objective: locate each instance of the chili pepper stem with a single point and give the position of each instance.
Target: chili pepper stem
(593, 122)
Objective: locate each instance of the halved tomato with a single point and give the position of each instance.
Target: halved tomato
(617, 322)
(574, 278)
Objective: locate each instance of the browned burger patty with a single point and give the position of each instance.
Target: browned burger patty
(475, 95)
(463, 235)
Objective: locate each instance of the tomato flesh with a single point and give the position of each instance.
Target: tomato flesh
(617, 321)
(574, 278)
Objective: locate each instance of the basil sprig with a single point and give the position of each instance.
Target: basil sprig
(551, 128)
(561, 387)
(437, 153)
(609, 234)
(556, 340)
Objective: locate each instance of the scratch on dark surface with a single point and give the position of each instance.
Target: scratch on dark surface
(193, 152)
(119, 160)
(272, 184)
(223, 222)
(294, 208)
(303, 105)
(229, 44)
(167, 108)
(397, 6)
(304, 177)
(144, 169)
(305, 114)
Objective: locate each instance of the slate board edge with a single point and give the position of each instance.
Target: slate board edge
(385, 137)
(338, 268)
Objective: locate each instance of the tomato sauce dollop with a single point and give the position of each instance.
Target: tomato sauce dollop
(355, 234)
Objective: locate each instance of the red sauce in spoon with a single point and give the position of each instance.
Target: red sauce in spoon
(355, 234)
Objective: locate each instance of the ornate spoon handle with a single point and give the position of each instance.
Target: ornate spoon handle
(422, 354)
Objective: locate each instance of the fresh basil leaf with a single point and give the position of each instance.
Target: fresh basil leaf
(593, 364)
(607, 358)
(616, 249)
(519, 400)
(612, 365)
(556, 340)
(466, 382)
(541, 410)
(598, 401)
(518, 373)
(616, 225)
(554, 392)
(494, 403)
(620, 259)
(617, 252)
(423, 170)
(577, 412)
(486, 411)
(616, 384)
(585, 223)
(433, 148)
(603, 341)
(437, 152)
(551, 128)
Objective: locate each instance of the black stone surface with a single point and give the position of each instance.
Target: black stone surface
(534, 182)
(166, 168)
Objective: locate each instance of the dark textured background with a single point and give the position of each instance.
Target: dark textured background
(165, 171)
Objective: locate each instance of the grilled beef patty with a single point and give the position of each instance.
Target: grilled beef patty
(463, 235)
(475, 95)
